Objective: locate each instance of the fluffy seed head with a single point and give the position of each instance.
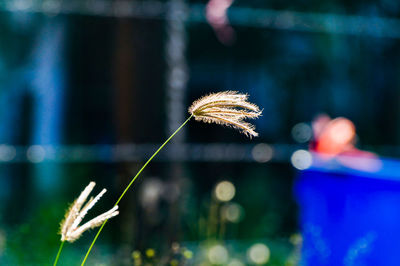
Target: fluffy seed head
(70, 229)
(228, 108)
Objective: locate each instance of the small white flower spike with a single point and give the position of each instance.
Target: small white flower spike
(70, 229)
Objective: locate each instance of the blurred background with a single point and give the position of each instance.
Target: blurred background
(90, 89)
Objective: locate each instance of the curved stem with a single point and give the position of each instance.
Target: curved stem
(58, 253)
(130, 184)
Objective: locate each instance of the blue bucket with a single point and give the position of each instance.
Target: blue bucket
(350, 216)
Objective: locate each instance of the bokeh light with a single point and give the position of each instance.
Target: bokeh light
(218, 254)
(150, 192)
(35, 153)
(225, 191)
(188, 254)
(136, 254)
(258, 253)
(301, 159)
(262, 153)
(235, 262)
(302, 132)
(232, 212)
(150, 253)
(296, 239)
(7, 153)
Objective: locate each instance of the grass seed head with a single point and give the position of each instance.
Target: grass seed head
(228, 108)
(70, 229)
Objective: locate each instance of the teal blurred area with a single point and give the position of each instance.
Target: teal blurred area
(90, 89)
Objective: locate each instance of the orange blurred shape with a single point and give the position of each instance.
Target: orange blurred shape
(333, 136)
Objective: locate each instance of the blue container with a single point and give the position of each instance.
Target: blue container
(349, 216)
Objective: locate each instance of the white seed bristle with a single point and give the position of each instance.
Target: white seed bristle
(228, 108)
(70, 229)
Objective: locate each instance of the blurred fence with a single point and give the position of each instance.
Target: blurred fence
(374, 26)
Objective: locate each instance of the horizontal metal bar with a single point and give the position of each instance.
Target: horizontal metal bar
(371, 26)
(230, 152)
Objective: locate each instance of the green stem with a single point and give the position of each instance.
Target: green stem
(58, 253)
(130, 184)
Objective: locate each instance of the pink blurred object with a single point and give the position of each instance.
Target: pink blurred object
(216, 14)
(335, 138)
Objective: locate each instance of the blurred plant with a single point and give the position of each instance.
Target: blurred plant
(70, 229)
(2, 242)
(228, 108)
(294, 258)
(221, 210)
(176, 256)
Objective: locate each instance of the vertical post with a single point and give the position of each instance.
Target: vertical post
(177, 73)
(176, 80)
